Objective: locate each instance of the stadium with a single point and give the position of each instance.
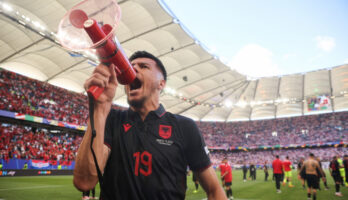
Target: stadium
(44, 108)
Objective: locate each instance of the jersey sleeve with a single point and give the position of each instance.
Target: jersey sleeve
(197, 153)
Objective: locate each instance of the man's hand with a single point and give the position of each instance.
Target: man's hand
(104, 77)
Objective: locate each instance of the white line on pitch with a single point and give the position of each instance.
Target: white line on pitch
(34, 187)
(236, 199)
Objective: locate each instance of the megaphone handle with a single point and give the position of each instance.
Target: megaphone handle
(95, 91)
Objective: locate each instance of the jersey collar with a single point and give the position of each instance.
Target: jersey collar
(159, 112)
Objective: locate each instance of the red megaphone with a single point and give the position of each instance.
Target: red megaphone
(90, 25)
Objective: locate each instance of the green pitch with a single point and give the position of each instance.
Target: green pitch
(60, 187)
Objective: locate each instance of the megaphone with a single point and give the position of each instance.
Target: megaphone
(90, 25)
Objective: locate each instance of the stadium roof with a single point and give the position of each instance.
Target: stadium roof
(199, 85)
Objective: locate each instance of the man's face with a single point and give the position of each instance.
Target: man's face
(149, 81)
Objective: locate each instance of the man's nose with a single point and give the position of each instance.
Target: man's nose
(135, 67)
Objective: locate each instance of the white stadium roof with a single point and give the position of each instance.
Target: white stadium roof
(199, 85)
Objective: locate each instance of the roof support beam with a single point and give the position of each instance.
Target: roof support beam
(239, 85)
(192, 65)
(177, 49)
(202, 79)
(331, 92)
(251, 108)
(229, 114)
(278, 95)
(231, 93)
(66, 69)
(209, 91)
(146, 32)
(23, 49)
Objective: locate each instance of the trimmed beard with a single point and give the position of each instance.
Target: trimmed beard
(136, 103)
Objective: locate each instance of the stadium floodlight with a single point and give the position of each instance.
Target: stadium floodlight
(241, 104)
(228, 104)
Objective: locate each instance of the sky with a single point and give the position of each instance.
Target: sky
(269, 37)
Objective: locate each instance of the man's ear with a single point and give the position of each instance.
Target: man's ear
(162, 85)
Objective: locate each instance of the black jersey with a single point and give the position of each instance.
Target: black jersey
(299, 165)
(265, 168)
(345, 164)
(334, 165)
(245, 168)
(252, 168)
(149, 158)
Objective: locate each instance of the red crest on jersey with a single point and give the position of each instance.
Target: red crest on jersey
(126, 127)
(165, 131)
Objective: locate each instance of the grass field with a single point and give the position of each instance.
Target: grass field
(60, 187)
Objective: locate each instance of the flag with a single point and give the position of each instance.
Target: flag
(39, 164)
(19, 116)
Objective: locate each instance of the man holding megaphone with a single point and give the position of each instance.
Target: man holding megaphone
(143, 152)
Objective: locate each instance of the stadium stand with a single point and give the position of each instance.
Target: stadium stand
(295, 131)
(28, 96)
(261, 156)
(23, 142)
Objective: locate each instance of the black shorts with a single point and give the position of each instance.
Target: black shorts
(312, 181)
(337, 178)
(228, 184)
(303, 175)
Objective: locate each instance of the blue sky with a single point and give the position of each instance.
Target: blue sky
(269, 37)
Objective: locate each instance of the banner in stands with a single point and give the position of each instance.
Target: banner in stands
(40, 164)
(36, 164)
(32, 172)
(326, 144)
(21, 116)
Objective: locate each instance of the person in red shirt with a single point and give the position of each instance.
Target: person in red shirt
(222, 171)
(227, 176)
(287, 171)
(277, 166)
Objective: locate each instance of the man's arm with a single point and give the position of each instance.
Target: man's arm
(321, 171)
(85, 173)
(224, 174)
(303, 166)
(210, 183)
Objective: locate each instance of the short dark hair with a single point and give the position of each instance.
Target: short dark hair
(287, 157)
(277, 156)
(311, 154)
(145, 54)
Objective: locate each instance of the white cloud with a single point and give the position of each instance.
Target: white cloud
(346, 61)
(254, 60)
(325, 43)
(289, 56)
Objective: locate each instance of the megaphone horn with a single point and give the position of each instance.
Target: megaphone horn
(90, 25)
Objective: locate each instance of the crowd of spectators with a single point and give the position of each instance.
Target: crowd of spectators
(311, 129)
(28, 96)
(259, 157)
(24, 142)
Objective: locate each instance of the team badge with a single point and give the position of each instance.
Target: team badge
(126, 127)
(165, 131)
